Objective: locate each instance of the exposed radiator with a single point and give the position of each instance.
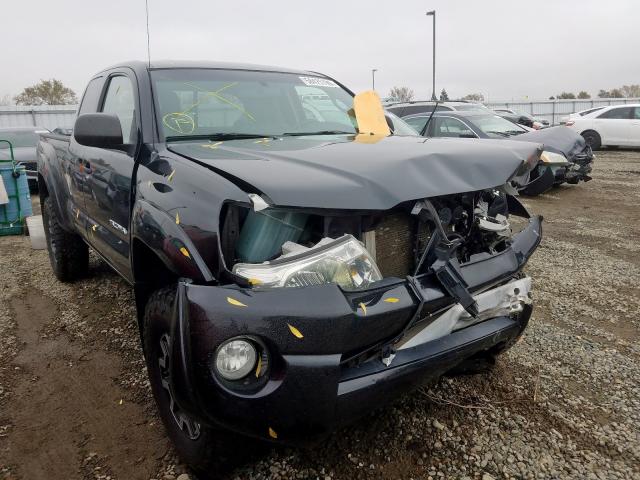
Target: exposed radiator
(392, 244)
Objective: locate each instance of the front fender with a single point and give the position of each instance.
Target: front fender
(166, 238)
(50, 180)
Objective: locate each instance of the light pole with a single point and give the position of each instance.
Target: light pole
(373, 78)
(432, 13)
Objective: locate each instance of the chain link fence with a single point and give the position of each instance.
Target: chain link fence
(53, 116)
(45, 116)
(556, 110)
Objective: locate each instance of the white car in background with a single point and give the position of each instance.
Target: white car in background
(581, 113)
(614, 126)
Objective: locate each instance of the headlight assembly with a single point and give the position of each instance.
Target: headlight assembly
(551, 157)
(344, 262)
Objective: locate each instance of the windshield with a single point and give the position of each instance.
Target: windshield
(523, 114)
(210, 102)
(400, 127)
(25, 138)
(497, 127)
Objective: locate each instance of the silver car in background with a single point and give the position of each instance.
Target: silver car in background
(24, 141)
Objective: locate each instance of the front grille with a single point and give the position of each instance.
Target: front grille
(395, 244)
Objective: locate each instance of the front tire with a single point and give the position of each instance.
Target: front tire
(201, 447)
(68, 253)
(593, 139)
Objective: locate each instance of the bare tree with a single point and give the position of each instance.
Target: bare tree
(566, 96)
(5, 100)
(444, 97)
(625, 91)
(583, 95)
(631, 91)
(47, 92)
(400, 94)
(474, 97)
(616, 93)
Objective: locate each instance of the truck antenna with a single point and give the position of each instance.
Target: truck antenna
(146, 4)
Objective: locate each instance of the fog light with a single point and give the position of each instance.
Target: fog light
(235, 359)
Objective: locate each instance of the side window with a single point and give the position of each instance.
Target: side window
(636, 114)
(120, 101)
(417, 123)
(617, 113)
(451, 127)
(91, 96)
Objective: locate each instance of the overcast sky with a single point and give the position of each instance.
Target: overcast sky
(501, 48)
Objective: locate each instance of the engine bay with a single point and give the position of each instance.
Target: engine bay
(396, 240)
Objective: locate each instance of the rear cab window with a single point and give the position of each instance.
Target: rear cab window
(91, 96)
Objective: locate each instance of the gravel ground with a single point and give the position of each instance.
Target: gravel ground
(563, 403)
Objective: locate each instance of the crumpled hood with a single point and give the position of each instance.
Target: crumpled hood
(343, 173)
(559, 139)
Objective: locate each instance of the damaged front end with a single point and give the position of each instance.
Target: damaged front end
(566, 158)
(337, 310)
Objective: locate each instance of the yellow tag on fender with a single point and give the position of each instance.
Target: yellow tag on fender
(370, 114)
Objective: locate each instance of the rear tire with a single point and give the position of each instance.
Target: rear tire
(206, 450)
(68, 253)
(593, 139)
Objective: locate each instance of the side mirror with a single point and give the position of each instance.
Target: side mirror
(102, 130)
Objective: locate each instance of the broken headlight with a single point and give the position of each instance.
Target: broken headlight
(551, 157)
(344, 262)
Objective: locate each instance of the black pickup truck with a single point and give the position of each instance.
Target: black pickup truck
(291, 271)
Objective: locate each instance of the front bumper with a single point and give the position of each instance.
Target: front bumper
(578, 169)
(311, 389)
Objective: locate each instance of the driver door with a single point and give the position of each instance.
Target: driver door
(109, 179)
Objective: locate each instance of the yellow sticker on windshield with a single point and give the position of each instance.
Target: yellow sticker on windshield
(370, 114)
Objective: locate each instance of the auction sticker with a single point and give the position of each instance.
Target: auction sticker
(318, 82)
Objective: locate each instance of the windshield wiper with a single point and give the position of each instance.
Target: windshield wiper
(502, 134)
(218, 136)
(321, 132)
(516, 132)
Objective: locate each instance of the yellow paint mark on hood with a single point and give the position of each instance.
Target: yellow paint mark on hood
(296, 333)
(391, 300)
(234, 302)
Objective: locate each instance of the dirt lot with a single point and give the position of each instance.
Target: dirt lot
(563, 403)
